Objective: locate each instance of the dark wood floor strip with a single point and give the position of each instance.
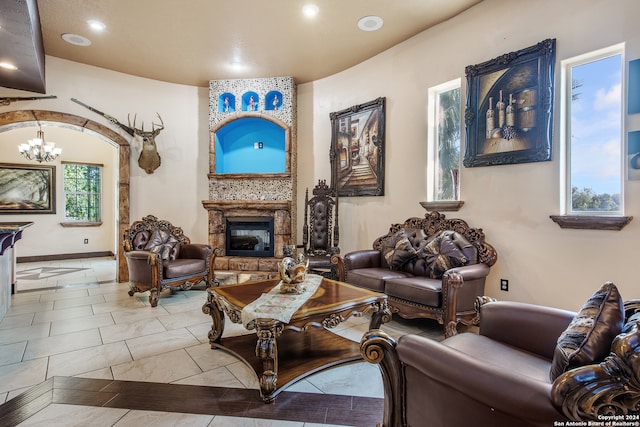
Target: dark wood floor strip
(236, 402)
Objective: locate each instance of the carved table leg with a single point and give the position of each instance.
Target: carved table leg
(381, 314)
(267, 351)
(153, 297)
(217, 318)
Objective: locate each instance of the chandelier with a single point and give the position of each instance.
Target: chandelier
(38, 150)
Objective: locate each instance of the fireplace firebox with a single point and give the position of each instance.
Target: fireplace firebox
(250, 236)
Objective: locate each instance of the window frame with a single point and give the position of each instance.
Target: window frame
(566, 207)
(68, 221)
(432, 140)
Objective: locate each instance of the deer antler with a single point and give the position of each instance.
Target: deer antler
(153, 125)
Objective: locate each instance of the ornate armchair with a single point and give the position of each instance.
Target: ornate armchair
(320, 235)
(529, 365)
(160, 256)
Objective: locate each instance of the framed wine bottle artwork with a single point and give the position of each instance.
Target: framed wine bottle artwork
(509, 109)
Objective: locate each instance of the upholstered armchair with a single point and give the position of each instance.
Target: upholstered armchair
(321, 234)
(528, 365)
(160, 256)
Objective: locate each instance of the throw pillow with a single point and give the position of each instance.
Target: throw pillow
(164, 244)
(588, 337)
(441, 253)
(398, 250)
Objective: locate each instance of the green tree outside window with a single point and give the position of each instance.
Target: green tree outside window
(82, 191)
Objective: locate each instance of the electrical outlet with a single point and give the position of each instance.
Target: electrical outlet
(86, 241)
(504, 285)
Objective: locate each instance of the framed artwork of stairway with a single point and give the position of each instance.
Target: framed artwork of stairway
(357, 149)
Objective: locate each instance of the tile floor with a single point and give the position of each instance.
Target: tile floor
(71, 319)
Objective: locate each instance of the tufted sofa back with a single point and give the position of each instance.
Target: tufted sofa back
(465, 245)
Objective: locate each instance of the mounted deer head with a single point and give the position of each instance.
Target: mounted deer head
(149, 159)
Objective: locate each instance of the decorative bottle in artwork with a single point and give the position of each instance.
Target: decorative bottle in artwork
(500, 106)
(491, 118)
(511, 112)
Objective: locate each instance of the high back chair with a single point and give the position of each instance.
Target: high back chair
(321, 233)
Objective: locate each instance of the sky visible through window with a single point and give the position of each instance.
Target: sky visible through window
(596, 126)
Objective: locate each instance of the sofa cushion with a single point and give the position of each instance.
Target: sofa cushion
(442, 252)
(373, 278)
(398, 250)
(182, 267)
(588, 337)
(491, 352)
(164, 244)
(421, 290)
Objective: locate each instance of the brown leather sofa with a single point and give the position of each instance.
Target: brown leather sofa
(504, 375)
(430, 267)
(160, 256)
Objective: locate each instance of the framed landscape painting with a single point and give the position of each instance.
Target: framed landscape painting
(509, 108)
(27, 189)
(357, 149)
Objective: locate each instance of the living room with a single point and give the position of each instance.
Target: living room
(544, 263)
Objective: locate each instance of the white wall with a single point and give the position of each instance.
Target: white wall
(176, 189)
(512, 203)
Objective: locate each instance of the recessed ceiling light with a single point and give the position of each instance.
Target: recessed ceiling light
(76, 39)
(8, 66)
(370, 23)
(310, 10)
(96, 25)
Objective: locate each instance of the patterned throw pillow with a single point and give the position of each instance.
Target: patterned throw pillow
(398, 250)
(588, 337)
(164, 244)
(441, 253)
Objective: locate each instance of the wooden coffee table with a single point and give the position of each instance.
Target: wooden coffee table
(283, 353)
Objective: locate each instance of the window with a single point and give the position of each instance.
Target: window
(82, 191)
(444, 142)
(592, 134)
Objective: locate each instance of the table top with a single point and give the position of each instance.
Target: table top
(331, 296)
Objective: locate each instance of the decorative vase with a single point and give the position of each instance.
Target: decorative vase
(293, 272)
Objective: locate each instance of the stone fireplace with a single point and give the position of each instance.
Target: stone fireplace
(252, 164)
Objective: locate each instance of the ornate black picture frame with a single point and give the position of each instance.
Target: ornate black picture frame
(27, 189)
(509, 111)
(357, 149)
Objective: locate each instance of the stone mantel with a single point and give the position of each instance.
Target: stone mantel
(264, 205)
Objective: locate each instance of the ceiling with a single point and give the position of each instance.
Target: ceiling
(196, 41)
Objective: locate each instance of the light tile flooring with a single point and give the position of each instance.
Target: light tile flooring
(70, 318)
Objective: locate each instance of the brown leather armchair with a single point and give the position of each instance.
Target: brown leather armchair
(321, 233)
(501, 376)
(160, 256)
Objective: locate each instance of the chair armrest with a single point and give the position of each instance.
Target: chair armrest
(496, 387)
(471, 272)
(367, 258)
(147, 256)
(606, 390)
(145, 267)
(530, 327)
(195, 251)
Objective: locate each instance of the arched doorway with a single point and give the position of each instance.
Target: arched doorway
(16, 118)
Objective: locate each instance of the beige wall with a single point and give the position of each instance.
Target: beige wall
(512, 203)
